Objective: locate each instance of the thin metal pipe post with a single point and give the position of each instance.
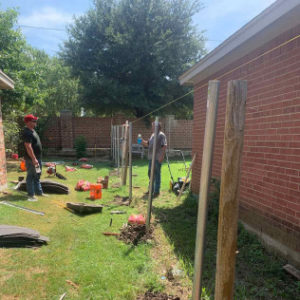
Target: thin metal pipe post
(207, 156)
(149, 209)
(130, 162)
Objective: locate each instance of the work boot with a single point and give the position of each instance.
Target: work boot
(155, 195)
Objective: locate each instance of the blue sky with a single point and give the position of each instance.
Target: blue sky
(219, 19)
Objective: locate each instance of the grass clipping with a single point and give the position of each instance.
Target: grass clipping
(135, 233)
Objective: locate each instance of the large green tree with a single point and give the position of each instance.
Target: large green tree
(129, 54)
(43, 85)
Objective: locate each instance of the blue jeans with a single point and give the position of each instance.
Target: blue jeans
(33, 179)
(156, 179)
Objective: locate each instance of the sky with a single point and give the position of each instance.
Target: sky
(219, 19)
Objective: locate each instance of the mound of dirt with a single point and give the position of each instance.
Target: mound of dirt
(157, 296)
(135, 233)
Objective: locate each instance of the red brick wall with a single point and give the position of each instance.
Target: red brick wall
(270, 174)
(97, 131)
(3, 178)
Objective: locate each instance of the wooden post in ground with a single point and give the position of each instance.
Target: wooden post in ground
(149, 208)
(186, 178)
(130, 162)
(118, 149)
(207, 156)
(230, 178)
(125, 154)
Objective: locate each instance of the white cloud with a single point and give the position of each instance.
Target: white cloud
(46, 17)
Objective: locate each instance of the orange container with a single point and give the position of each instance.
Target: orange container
(95, 191)
(23, 166)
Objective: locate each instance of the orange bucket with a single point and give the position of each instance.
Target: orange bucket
(23, 166)
(95, 191)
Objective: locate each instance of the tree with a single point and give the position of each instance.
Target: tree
(43, 85)
(129, 54)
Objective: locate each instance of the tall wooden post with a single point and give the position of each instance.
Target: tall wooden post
(207, 156)
(130, 162)
(118, 148)
(125, 154)
(149, 209)
(230, 178)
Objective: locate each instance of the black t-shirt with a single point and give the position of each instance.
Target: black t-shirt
(30, 136)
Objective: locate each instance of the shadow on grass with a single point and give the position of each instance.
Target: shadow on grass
(13, 198)
(259, 274)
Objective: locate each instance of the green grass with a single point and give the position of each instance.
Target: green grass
(105, 268)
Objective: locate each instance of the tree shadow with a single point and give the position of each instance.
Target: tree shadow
(259, 273)
(14, 198)
(180, 224)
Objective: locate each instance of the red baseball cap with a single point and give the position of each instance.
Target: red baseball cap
(29, 118)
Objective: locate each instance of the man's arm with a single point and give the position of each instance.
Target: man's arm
(30, 152)
(163, 152)
(145, 143)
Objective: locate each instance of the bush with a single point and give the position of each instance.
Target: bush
(11, 130)
(80, 146)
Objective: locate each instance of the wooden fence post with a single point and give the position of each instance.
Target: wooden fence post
(230, 178)
(125, 155)
(149, 208)
(208, 146)
(130, 162)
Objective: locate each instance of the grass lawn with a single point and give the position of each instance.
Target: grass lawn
(106, 268)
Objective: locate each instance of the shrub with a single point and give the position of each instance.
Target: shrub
(80, 146)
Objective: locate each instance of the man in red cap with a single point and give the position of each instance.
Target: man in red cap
(33, 155)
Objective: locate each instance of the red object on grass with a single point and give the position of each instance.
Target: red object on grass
(83, 185)
(137, 219)
(23, 166)
(86, 166)
(70, 169)
(95, 191)
(15, 156)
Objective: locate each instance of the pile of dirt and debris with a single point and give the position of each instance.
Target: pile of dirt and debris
(135, 233)
(157, 296)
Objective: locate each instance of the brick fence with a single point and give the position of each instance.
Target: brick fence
(62, 131)
(270, 173)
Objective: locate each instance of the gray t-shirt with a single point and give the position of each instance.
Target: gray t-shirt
(161, 142)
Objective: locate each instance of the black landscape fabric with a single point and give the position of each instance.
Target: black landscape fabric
(14, 236)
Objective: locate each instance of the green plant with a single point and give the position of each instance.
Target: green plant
(80, 146)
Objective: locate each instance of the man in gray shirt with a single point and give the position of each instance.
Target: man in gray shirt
(161, 146)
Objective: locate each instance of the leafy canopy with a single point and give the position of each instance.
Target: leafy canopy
(129, 54)
(43, 85)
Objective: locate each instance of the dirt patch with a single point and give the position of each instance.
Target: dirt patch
(119, 200)
(9, 297)
(134, 234)
(157, 296)
(116, 185)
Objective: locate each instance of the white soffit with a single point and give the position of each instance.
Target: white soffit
(6, 83)
(273, 21)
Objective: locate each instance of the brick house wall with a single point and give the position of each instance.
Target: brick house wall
(62, 131)
(3, 177)
(270, 171)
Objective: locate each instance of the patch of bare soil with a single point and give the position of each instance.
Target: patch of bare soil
(135, 233)
(116, 185)
(157, 296)
(119, 200)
